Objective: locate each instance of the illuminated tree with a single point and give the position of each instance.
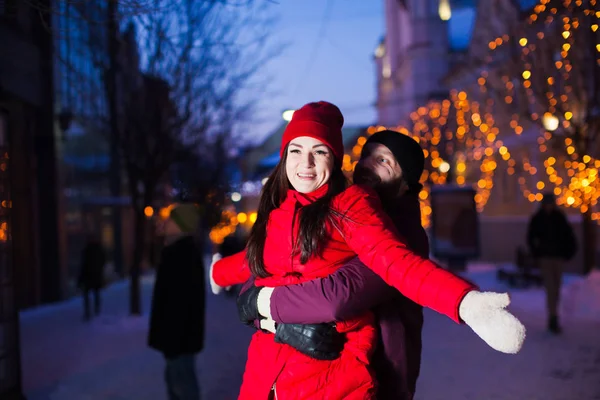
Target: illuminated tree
(460, 143)
(544, 73)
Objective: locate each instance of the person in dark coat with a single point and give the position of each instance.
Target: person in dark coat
(392, 164)
(232, 244)
(91, 275)
(177, 316)
(552, 242)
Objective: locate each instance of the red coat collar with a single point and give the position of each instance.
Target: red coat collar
(304, 199)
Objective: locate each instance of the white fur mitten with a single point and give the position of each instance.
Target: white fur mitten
(216, 289)
(485, 313)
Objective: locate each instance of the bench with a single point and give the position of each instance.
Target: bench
(523, 273)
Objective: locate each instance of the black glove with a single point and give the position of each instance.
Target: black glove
(319, 341)
(247, 304)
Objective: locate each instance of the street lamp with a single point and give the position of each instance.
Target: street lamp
(287, 115)
(550, 122)
(444, 10)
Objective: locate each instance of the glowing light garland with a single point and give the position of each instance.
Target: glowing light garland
(568, 170)
(457, 137)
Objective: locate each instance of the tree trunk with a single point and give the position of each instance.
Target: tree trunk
(589, 241)
(115, 165)
(135, 302)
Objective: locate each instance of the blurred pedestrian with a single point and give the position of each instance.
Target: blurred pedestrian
(178, 302)
(552, 242)
(91, 274)
(232, 244)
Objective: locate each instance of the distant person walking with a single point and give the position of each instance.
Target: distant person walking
(552, 242)
(178, 302)
(91, 275)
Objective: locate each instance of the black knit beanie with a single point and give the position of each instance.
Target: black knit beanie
(406, 150)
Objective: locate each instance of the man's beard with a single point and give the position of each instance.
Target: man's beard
(387, 191)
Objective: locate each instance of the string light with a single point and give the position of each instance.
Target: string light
(567, 170)
(457, 138)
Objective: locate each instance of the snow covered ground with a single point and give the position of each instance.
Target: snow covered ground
(67, 359)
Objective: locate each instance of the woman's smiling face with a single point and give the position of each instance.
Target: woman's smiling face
(309, 164)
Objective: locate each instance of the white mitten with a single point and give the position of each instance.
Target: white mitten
(485, 313)
(216, 289)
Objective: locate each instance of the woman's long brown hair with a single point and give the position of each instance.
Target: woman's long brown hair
(312, 229)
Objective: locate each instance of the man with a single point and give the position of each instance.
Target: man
(551, 241)
(91, 275)
(392, 164)
(178, 302)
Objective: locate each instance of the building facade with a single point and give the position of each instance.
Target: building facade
(434, 47)
(30, 250)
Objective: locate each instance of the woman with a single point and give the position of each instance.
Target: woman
(308, 225)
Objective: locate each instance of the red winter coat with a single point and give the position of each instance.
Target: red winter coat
(364, 230)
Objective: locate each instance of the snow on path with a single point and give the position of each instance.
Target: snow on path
(67, 359)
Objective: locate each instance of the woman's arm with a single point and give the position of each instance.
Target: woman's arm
(349, 292)
(229, 271)
(371, 234)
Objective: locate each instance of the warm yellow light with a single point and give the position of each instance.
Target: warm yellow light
(570, 200)
(540, 185)
(594, 27)
(148, 211)
(568, 115)
(165, 212)
(566, 34)
(523, 42)
(550, 121)
(539, 197)
(253, 217)
(526, 74)
(587, 159)
(380, 50)
(242, 217)
(444, 10)
(444, 167)
(461, 167)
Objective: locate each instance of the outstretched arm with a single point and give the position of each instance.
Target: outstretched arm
(370, 233)
(228, 271)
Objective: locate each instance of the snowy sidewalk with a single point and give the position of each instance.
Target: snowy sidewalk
(67, 359)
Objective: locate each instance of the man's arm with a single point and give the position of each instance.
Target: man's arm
(351, 291)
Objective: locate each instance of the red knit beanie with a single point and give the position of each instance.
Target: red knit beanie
(322, 121)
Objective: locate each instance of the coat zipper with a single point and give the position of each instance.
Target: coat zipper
(297, 207)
